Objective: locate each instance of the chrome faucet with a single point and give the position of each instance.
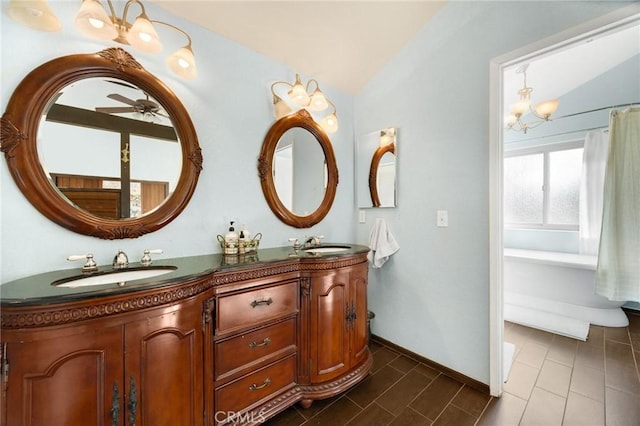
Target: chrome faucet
(120, 260)
(313, 241)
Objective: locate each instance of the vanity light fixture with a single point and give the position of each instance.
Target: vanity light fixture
(542, 111)
(300, 96)
(92, 20)
(34, 14)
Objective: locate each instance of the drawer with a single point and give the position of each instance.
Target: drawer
(255, 306)
(244, 392)
(248, 348)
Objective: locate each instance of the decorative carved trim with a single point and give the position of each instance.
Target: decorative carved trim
(196, 158)
(264, 168)
(120, 58)
(305, 285)
(10, 136)
(120, 232)
(264, 271)
(50, 315)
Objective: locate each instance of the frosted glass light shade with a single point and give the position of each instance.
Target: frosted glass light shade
(143, 36)
(34, 14)
(318, 102)
(520, 107)
(92, 20)
(298, 93)
(183, 63)
(330, 123)
(280, 107)
(546, 108)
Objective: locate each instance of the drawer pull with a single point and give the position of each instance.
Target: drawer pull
(257, 387)
(265, 342)
(261, 302)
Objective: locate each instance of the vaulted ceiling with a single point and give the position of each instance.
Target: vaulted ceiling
(341, 43)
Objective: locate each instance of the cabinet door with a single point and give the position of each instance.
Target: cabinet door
(329, 334)
(358, 326)
(164, 367)
(66, 378)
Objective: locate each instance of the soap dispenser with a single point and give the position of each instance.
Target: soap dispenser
(231, 240)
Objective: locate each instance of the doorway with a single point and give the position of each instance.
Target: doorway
(501, 88)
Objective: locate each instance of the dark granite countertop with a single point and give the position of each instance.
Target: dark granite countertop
(37, 289)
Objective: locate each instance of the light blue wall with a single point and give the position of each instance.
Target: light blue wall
(230, 105)
(432, 297)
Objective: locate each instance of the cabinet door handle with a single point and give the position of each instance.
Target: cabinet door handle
(115, 405)
(261, 302)
(264, 385)
(132, 405)
(348, 320)
(265, 342)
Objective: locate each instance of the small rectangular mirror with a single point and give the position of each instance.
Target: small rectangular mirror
(376, 164)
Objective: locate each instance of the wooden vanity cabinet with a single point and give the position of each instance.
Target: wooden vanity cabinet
(255, 347)
(234, 346)
(338, 326)
(143, 368)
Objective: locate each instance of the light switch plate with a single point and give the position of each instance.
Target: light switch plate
(362, 216)
(442, 220)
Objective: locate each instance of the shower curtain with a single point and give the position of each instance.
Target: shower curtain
(594, 163)
(618, 271)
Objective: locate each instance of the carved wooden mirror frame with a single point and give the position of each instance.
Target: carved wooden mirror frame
(373, 171)
(19, 142)
(265, 169)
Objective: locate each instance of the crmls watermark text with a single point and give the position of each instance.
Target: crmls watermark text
(236, 418)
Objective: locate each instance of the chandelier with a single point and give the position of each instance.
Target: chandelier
(93, 20)
(300, 96)
(541, 112)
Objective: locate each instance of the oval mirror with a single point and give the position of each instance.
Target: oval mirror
(376, 163)
(101, 146)
(298, 171)
(382, 176)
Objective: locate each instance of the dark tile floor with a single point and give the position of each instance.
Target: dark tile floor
(553, 381)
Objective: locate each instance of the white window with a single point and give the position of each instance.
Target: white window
(542, 187)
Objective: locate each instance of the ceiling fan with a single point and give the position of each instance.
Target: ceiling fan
(145, 109)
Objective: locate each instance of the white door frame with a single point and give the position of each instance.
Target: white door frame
(619, 18)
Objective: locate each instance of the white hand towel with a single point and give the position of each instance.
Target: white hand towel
(382, 244)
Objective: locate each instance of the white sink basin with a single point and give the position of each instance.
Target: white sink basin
(116, 276)
(326, 249)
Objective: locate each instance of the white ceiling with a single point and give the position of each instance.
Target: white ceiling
(340, 43)
(560, 72)
(344, 43)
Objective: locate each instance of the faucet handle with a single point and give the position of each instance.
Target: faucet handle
(90, 264)
(146, 259)
(296, 243)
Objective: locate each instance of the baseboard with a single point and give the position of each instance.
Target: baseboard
(473, 383)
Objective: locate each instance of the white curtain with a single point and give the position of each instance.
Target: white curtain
(594, 163)
(618, 271)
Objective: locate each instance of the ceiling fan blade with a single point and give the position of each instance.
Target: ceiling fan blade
(120, 98)
(115, 110)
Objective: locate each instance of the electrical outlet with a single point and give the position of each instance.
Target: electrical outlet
(442, 220)
(362, 216)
